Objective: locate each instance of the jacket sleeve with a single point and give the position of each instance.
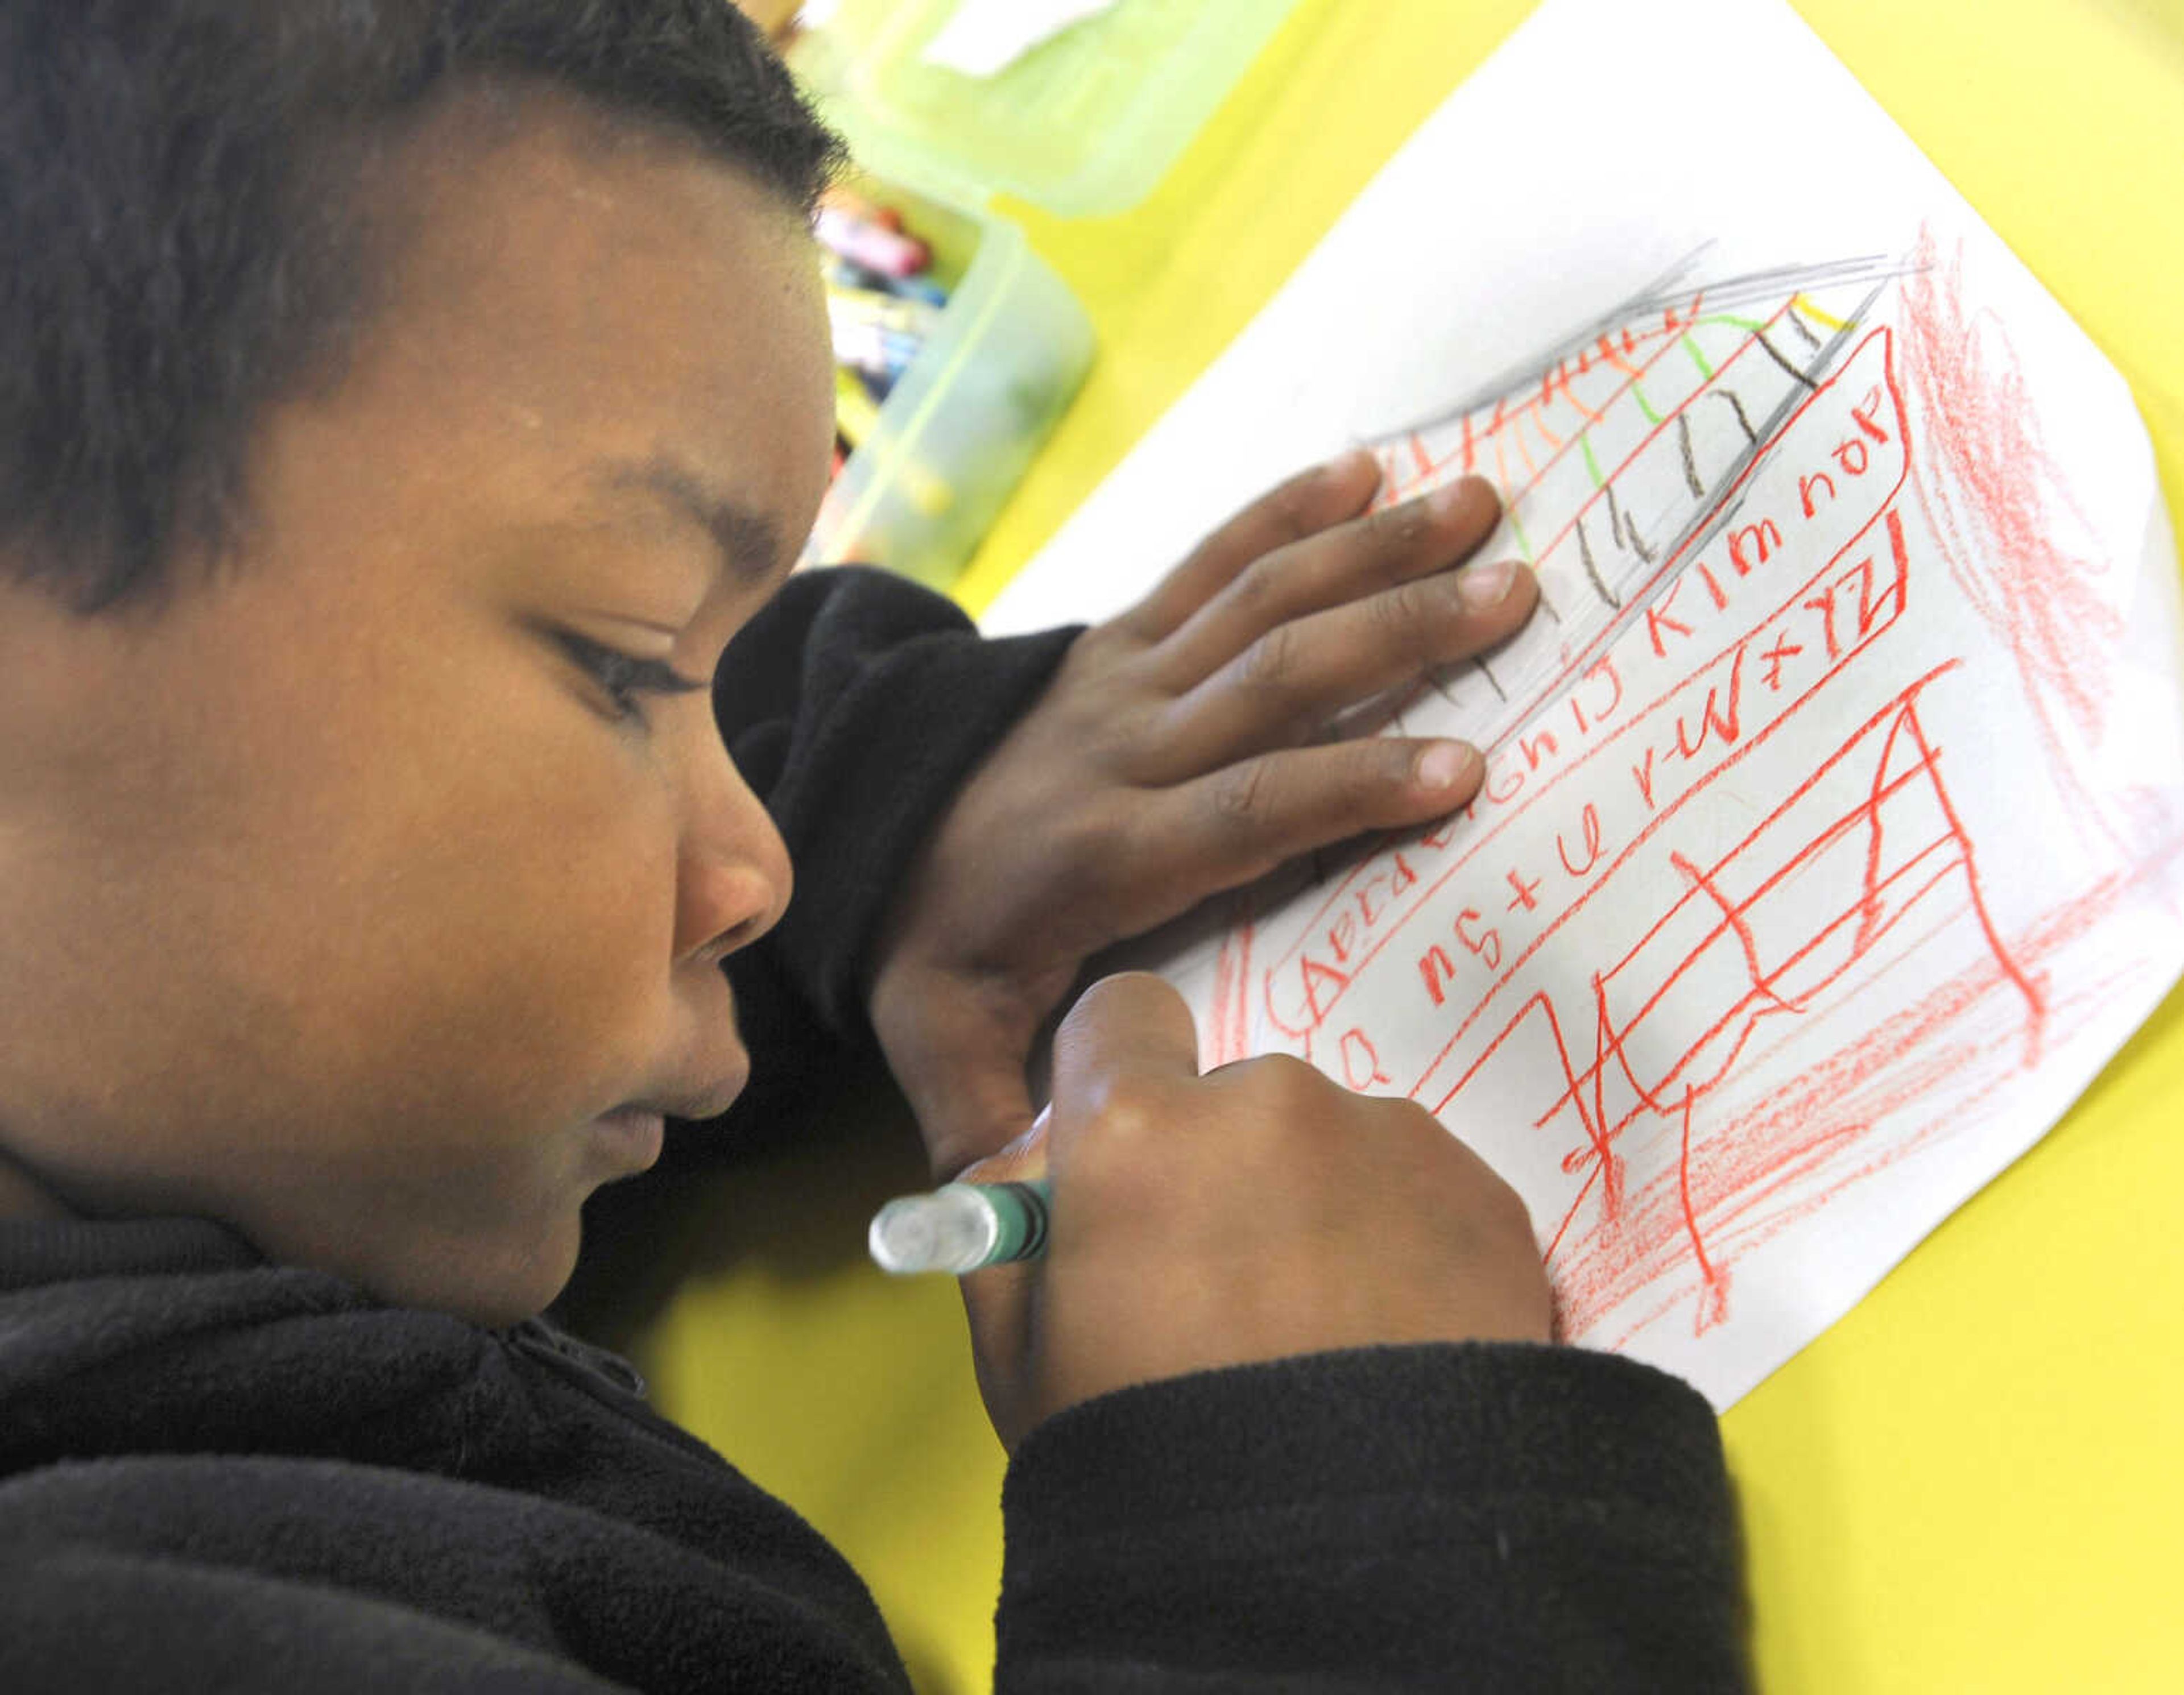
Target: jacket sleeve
(856, 704)
(1486, 1517)
(78, 1618)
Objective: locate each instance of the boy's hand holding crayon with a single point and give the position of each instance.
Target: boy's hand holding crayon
(1181, 750)
(1255, 1213)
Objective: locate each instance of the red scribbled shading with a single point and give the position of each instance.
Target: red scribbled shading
(1751, 1175)
(2003, 534)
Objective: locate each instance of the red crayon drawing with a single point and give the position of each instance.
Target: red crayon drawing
(1721, 939)
(1761, 933)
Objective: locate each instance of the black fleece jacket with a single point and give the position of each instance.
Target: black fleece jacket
(219, 1473)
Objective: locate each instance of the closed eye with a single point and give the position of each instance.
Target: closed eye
(627, 678)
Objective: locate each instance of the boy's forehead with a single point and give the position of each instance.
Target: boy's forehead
(600, 302)
(561, 219)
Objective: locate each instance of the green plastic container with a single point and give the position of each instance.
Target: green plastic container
(962, 423)
(1084, 123)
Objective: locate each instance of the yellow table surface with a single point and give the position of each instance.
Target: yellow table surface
(1972, 1482)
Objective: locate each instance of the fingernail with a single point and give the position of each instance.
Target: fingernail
(1345, 467)
(1445, 764)
(1038, 1129)
(1449, 496)
(1479, 587)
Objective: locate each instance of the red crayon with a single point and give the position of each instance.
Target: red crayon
(869, 245)
(870, 211)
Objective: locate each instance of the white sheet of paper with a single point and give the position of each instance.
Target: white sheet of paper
(985, 37)
(1833, 836)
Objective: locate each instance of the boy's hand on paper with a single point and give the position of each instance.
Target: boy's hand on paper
(1183, 749)
(1256, 1212)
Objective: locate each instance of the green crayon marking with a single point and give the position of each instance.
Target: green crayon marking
(1523, 546)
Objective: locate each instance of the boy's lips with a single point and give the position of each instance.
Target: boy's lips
(638, 1131)
(697, 1101)
(700, 1086)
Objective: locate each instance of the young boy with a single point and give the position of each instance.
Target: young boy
(408, 412)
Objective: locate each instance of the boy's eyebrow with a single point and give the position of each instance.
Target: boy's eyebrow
(748, 541)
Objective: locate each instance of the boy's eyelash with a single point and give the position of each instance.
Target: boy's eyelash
(625, 676)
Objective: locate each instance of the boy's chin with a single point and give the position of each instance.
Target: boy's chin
(492, 1287)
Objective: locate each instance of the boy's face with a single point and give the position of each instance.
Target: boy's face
(338, 903)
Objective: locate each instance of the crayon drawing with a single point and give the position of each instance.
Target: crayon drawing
(1832, 832)
(1715, 946)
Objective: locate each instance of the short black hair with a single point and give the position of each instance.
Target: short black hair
(179, 245)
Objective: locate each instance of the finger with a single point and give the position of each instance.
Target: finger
(1297, 677)
(1307, 503)
(997, 1300)
(1237, 825)
(997, 1306)
(1385, 546)
(1019, 1161)
(970, 1096)
(1132, 1023)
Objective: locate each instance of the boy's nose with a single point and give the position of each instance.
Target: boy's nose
(734, 872)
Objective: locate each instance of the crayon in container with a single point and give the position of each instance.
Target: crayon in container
(1085, 124)
(992, 373)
